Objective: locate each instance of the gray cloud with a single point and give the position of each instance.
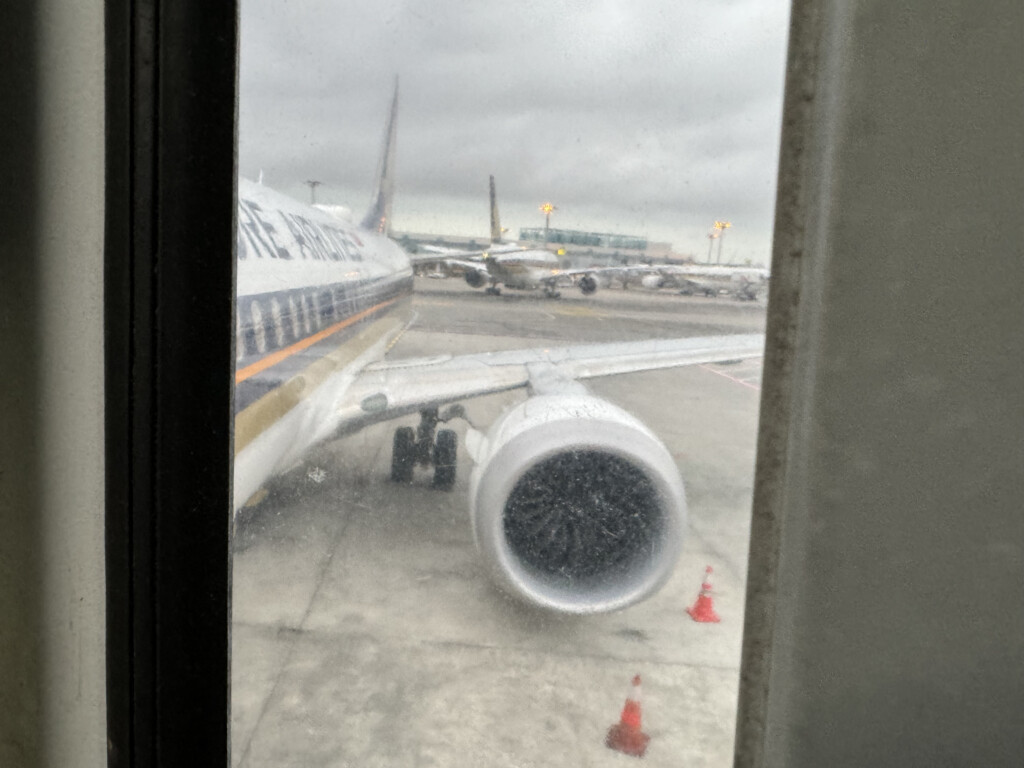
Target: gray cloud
(650, 120)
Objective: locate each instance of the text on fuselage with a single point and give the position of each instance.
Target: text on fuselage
(264, 233)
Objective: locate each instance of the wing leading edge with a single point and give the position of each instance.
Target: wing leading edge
(388, 390)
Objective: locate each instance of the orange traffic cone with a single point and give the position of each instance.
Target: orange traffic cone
(625, 735)
(702, 610)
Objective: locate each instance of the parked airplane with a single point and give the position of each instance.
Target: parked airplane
(745, 283)
(510, 265)
(321, 299)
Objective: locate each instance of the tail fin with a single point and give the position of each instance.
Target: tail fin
(495, 222)
(378, 218)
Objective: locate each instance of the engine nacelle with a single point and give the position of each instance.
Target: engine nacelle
(588, 284)
(576, 506)
(652, 281)
(475, 278)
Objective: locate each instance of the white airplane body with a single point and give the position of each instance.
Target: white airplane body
(341, 291)
(526, 269)
(512, 266)
(321, 299)
(741, 282)
(508, 265)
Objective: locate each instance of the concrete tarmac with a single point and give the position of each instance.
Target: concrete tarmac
(365, 632)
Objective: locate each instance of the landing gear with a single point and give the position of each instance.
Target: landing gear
(493, 290)
(445, 448)
(551, 293)
(403, 455)
(420, 446)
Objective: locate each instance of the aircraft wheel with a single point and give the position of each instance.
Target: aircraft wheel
(403, 455)
(445, 458)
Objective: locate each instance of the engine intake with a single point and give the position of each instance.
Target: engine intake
(577, 506)
(588, 284)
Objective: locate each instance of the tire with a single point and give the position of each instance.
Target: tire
(445, 459)
(403, 455)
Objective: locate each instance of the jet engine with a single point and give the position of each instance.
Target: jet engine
(576, 506)
(475, 278)
(588, 284)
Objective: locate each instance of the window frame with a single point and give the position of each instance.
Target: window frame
(169, 271)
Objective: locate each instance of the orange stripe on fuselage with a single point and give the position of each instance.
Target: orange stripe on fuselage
(282, 354)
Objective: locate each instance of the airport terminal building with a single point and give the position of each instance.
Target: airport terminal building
(604, 249)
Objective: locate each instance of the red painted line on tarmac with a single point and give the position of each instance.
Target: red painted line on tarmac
(754, 387)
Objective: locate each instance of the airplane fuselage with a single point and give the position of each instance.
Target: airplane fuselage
(742, 282)
(523, 270)
(316, 297)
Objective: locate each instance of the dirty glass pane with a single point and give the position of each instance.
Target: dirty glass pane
(444, 558)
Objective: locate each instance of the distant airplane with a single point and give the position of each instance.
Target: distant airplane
(510, 265)
(576, 506)
(745, 283)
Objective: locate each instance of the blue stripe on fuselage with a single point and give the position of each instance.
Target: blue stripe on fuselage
(273, 321)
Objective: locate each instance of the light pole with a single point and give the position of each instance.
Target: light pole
(711, 243)
(312, 190)
(546, 209)
(721, 226)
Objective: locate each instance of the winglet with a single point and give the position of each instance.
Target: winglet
(378, 218)
(495, 221)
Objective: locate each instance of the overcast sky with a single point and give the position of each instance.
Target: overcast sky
(637, 117)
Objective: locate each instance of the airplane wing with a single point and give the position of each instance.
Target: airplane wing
(420, 259)
(387, 390)
(743, 282)
(457, 252)
(440, 250)
(627, 270)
